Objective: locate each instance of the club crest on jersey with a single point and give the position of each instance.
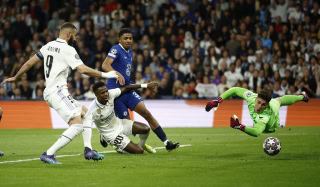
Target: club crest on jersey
(99, 111)
(114, 51)
(77, 56)
(125, 113)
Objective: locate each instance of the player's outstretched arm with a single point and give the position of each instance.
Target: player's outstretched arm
(151, 85)
(26, 66)
(106, 66)
(94, 73)
(252, 131)
(227, 94)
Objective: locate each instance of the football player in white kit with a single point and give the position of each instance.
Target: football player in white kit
(58, 57)
(113, 130)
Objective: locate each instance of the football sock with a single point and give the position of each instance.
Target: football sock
(160, 133)
(143, 139)
(66, 137)
(290, 99)
(87, 134)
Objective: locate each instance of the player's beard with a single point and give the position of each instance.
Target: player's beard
(71, 41)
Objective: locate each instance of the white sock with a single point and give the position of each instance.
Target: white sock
(142, 139)
(87, 134)
(165, 142)
(66, 137)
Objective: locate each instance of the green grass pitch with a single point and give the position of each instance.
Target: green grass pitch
(216, 157)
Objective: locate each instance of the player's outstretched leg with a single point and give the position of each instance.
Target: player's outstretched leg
(290, 99)
(66, 137)
(90, 154)
(1, 154)
(156, 128)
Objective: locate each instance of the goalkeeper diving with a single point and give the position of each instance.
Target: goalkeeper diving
(263, 109)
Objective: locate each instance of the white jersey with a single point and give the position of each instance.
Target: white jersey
(103, 115)
(58, 57)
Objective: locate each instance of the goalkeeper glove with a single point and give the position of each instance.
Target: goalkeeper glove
(235, 123)
(213, 104)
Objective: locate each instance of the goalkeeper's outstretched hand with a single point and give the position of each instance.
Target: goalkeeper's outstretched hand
(235, 123)
(213, 104)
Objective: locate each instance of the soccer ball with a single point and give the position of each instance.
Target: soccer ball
(271, 146)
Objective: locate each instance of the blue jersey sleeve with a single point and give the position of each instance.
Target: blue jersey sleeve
(113, 53)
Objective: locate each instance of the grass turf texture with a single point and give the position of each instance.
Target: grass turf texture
(217, 157)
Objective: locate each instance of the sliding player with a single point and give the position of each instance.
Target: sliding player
(113, 130)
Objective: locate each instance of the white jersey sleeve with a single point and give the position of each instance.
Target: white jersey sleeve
(72, 58)
(114, 93)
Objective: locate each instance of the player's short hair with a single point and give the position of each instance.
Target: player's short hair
(265, 94)
(124, 31)
(98, 85)
(68, 25)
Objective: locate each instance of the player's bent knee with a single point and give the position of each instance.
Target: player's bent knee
(146, 129)
(139, 151)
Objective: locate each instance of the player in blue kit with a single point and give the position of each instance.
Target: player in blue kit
(119, 59)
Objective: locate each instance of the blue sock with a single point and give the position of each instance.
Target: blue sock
(160, 133)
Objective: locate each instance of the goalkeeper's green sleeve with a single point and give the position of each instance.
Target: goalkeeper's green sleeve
(233, 91)
(290, 99)
(256, 130)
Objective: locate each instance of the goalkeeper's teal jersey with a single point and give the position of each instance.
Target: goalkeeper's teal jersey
(269, 117)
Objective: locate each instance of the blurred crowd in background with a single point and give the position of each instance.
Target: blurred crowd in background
(195, 49)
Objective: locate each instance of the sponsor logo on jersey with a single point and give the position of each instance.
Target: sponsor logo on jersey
(125, 113)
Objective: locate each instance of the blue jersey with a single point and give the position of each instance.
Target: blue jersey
(122, 63)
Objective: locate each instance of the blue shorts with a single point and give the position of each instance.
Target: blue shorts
(125, 101)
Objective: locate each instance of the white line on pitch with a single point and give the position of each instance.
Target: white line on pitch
(60, 156)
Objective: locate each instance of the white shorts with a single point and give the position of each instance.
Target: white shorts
(120, 138)
(63, 103)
